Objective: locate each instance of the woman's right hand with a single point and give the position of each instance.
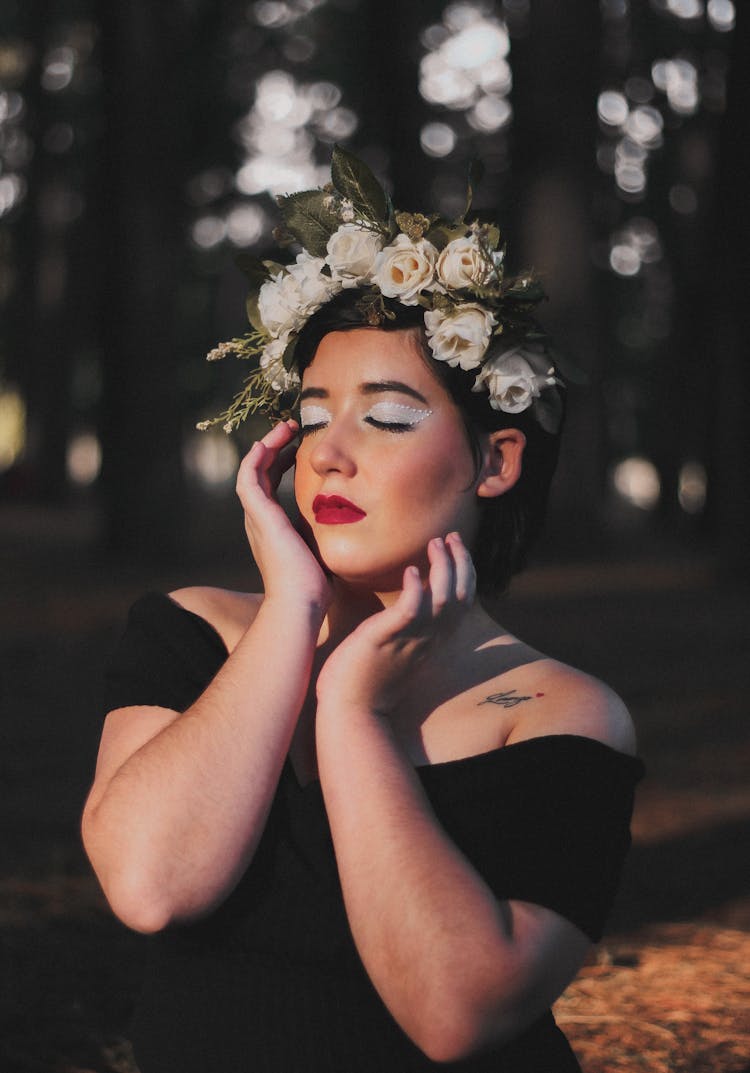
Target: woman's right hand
(288, 567)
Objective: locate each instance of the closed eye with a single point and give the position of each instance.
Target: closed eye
(312, 418)
(395, 416)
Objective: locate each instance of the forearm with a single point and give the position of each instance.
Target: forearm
(171, 830)
(429, 931)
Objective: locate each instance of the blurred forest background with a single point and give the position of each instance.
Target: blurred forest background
(141, 147)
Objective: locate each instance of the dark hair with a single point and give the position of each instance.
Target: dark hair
(509, 523)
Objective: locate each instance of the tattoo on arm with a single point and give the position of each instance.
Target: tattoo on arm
(509, 699)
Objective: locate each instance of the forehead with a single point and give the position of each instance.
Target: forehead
(347, 358)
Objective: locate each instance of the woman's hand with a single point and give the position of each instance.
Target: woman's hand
(286, 564)
(369, 668)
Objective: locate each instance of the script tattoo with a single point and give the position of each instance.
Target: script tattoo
(509, 699)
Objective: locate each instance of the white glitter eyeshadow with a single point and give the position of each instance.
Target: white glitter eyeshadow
(314, 415)
(396, 413)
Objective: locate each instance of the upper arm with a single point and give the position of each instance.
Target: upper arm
(549, 952)
(128, 729)
(230, 613)
(125, 731)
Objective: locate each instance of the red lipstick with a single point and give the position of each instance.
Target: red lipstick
(335, 510)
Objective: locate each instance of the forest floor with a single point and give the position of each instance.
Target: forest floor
(667, 990)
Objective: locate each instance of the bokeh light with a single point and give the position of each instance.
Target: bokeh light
(211, 458)
(58, 69)
(721, 15)
(685, 9)
(279, 135)
(634, 245)
(209, 231)
(12, 427)
(636, 480)
(612, 108)
(465, 70)
(683, 199)
(692, 485)
(437, 139)
(83, 458)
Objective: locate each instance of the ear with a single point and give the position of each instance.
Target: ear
(502, 462)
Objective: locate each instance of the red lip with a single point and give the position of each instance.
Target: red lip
(335, 510)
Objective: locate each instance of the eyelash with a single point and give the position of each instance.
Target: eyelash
(386, 426)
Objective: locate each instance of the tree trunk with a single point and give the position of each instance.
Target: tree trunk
(143, 236)
(729, 328)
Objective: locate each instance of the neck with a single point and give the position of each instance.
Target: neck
(350, 606)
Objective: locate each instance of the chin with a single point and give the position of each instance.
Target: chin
(365, 572)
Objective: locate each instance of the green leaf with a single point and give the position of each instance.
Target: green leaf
(254, 270)
(548, 410)
(309, 220)
(273, 268)
(476, 173)
(253, 313)
(493, 237)
(288, 358)
(354, 180)
(568, 370)
(441, 233)
(526, 290)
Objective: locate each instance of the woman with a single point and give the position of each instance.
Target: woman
(373, 830)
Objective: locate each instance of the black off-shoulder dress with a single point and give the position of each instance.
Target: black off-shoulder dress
(271, 982)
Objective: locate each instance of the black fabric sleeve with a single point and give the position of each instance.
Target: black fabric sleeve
(166, 656)
(545, 821)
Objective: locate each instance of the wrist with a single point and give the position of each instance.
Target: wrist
(306, 606)
(292, 614)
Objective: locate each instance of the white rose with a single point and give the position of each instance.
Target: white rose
(278, 305)
(514, 379)
(315, 288)
(463, 264)
(272, 364)
(460, 337)
(287, 300)
(405, 268)
(351, 254)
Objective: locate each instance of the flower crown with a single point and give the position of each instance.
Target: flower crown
(351, 236)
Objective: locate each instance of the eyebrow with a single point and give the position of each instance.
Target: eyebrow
(375, 387)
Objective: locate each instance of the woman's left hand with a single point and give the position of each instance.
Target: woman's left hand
(369, 668)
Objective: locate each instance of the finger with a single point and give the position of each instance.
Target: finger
(270, 459)
(280, 463)
(442, 575)
(253, 478)
(280, 434)
(465, 572)
(409, 609)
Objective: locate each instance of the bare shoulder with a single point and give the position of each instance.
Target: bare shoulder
(568, 701)
(230, 613)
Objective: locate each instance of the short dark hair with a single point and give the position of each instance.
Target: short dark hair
(510, 523)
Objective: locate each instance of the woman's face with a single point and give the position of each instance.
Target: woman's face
(384, 464)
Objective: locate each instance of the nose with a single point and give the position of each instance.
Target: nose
(332, 451)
